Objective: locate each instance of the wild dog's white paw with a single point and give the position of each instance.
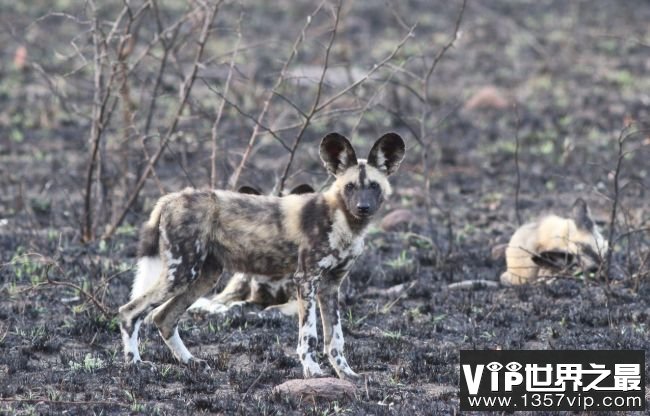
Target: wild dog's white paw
(208, 306)
(342, 368)
(213, 307)
(132, 356)
(201, 304)
(131, 359)
(287, 309)
(130, 342)
(311, 369)
(347, 374)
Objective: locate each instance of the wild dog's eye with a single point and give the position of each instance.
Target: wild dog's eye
(349, 187)
(374, 185)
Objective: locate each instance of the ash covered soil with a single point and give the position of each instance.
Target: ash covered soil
(579, 73)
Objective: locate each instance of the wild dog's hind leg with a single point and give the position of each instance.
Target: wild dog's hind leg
(235, 293)
(332, 330)
(307, 334)
(167, 315)
(132, 314)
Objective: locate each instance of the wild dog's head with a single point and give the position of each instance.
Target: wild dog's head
(585, 247)
(362, 184)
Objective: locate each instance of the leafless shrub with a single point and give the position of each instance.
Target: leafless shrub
(116, 56)
(637, 261)
(137, 56)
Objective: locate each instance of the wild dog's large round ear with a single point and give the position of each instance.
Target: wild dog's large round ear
(248, 190)
(582, 215)
(387, 153)
(337, 153)
(302, 189)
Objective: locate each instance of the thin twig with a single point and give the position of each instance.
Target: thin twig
(65, 402)
(630, 232)
(217, 120)
(518, 183)
(444, 49)
(237, 108)
(49, 263)
(234, 179)
(319, 91)
(257, 380)
(473, 284)
(387, 307)
(426, 110)
(376, 94)
(107, 314)
(96, 127)
(374, 69)
(163, 63)
(615, 201)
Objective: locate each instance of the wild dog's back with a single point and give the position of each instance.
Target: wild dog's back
(247, 233)
(257, 234)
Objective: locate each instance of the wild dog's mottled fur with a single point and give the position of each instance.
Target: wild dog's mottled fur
(193, 235)
(276, 292)
(552, 244)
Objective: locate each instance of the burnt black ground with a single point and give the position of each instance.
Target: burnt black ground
(579, 71)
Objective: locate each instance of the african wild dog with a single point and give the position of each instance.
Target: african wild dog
(192, 236)
(553, 244)
(269, 292)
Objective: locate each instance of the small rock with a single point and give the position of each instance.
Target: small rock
(487, 97)
(328, 388)
(395, 218)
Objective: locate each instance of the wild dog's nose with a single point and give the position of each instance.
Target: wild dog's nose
(363, 208)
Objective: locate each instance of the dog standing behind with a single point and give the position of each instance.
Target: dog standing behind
(269, 292)
(193, 235)
(553, 244)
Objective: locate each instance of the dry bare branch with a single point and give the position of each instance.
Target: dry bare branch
(518, 183)
(217, 120)
(425, 113)
(234, 179)
(319, 91)
(171, 130)
(615, 200)
(99, 102)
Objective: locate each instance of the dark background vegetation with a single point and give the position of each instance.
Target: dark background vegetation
(509, 108)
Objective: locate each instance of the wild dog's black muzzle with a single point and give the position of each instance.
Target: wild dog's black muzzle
(367, 202)
(363, 208)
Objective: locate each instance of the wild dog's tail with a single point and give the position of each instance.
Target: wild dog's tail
(149, 264)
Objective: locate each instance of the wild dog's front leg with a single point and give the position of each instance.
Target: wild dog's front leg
(307, 335)
(332, 330)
